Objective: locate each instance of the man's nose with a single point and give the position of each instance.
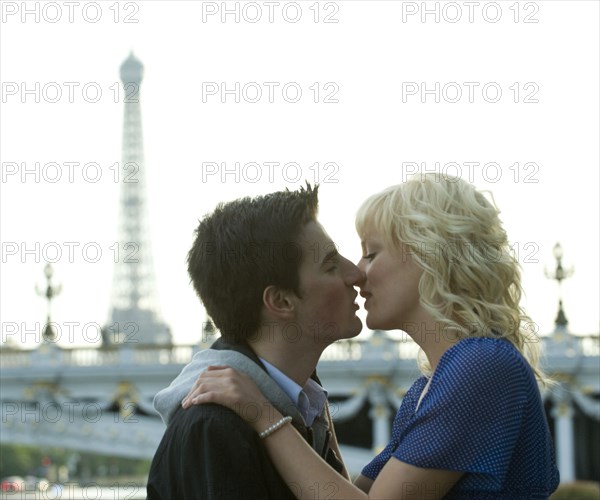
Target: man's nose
(356, 276)
(362, 264)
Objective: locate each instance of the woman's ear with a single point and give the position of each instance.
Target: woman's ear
(279, 303)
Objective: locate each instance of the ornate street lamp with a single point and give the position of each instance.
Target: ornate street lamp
(50, 292)
(559, 274)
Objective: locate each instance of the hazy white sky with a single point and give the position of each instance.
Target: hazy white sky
(357, 94)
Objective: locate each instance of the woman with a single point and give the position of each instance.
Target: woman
(436, 264)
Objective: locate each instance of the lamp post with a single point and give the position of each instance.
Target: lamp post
(50, 292)
(560, 274)
(562, 410)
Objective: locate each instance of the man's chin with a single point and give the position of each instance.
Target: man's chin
(371, 324)
(356, 329)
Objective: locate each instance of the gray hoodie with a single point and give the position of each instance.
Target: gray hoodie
(167, 400)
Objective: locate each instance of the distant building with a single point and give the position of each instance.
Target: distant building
(134, 316)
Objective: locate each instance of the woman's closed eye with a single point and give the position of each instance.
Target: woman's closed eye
(370, 256)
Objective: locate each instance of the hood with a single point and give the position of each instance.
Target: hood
(169, 399)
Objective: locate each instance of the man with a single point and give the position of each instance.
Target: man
(274, 285)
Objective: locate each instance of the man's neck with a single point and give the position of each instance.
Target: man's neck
(296, 364)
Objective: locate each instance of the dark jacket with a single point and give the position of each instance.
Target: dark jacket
(209, 452)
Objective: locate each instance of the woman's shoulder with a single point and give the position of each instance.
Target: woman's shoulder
(483, 356)
(487, 348)
(484, 371)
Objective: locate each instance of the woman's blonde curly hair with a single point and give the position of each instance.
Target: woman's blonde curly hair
(471, 281)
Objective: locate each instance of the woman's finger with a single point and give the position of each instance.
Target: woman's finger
(201, 388)
(211, 370)
(217, 367)
(197, 382)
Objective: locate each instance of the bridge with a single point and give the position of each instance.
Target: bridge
(100, 400)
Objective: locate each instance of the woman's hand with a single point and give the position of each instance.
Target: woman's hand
(227, 387)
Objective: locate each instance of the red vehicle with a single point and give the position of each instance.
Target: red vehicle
(12, 483)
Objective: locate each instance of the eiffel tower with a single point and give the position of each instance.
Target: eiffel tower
(135, 316)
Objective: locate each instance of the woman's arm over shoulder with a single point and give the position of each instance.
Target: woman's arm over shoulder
(363, 483)
(403, 481)
(308, 476)
(303, 470)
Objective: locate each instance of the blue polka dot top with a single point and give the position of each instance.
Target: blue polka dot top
(482, 415)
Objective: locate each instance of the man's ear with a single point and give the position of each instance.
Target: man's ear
(279, 303)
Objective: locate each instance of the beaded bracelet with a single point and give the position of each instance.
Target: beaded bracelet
(277, 425)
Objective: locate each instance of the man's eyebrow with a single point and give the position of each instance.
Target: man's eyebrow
(329, 256)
